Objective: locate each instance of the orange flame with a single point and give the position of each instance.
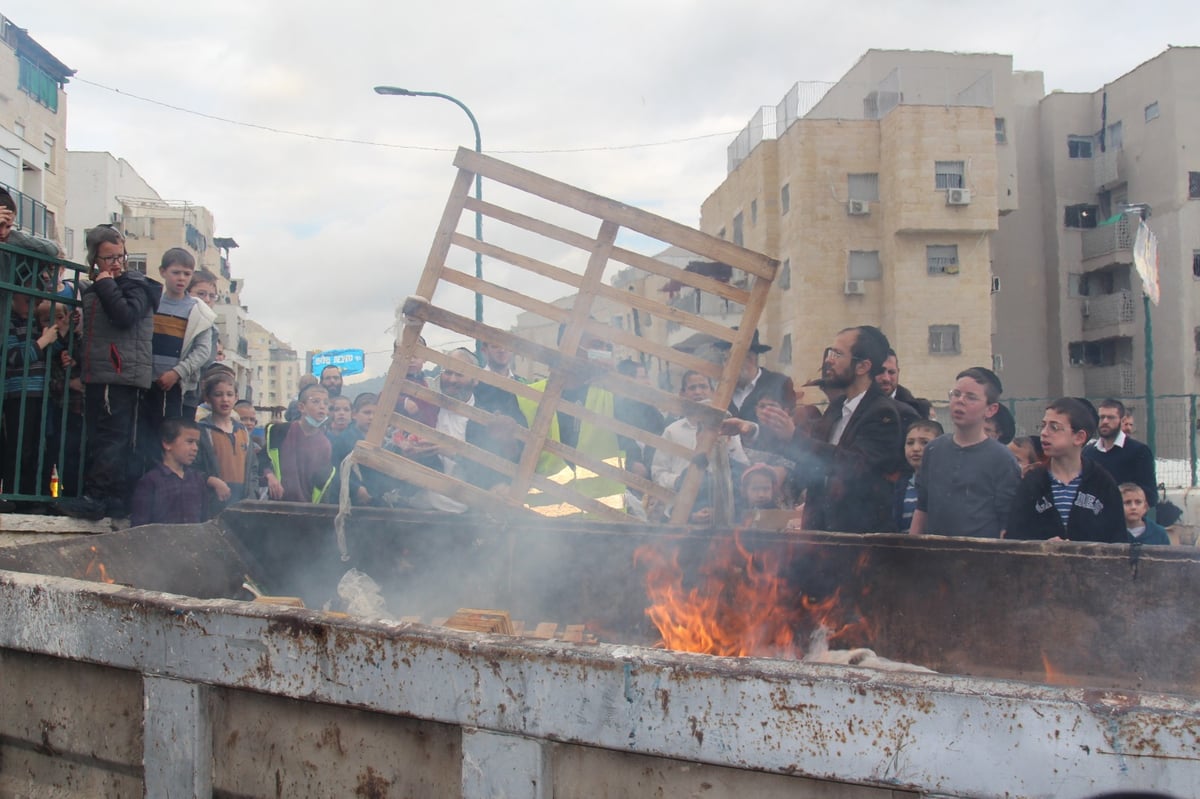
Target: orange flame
(95, 569)
(1054, 676)
(740, 603)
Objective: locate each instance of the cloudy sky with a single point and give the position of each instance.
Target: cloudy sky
(643, 96)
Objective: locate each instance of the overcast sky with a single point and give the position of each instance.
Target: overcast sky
(334, 235)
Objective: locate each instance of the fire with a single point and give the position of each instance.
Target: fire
(1054, 676)
(95, 569)
(740, 603)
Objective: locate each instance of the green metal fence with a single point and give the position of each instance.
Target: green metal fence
(42, 417)
(1175, 439)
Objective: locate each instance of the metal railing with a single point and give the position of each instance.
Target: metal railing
(1117, 237)
(43, 431)
(1107, 309)
(32, 215)
(761, 126)
(1176, 437)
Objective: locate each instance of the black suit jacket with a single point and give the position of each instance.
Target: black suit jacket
(775, 385)
(851, 484)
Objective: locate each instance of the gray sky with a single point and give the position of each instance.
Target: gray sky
(334, 235)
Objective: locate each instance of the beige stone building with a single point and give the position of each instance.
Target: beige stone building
(277, 368)
(33, 132)
(881, 196)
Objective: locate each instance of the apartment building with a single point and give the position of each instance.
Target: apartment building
(277, 369)
(33, 132)
(1134, 141)
(881, 195)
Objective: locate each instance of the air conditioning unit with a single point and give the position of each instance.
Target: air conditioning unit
(855, 287)
(958, 196)
(858, 208)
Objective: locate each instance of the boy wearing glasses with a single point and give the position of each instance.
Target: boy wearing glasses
(117, 366)
(1072, 499)
(966, 482)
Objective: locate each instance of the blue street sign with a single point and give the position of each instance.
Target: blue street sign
(351, 362)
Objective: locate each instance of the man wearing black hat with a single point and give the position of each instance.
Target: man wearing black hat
(755, 383)
(853, 455)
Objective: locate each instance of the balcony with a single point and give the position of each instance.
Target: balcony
(32, 215)
(1109, 381)
(1107, 309)
(1108, 239)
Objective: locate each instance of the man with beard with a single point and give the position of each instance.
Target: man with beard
(331, 380)
(754, 383)
(1126, 459)
(461, 387)
(889, 383)
(853, 455)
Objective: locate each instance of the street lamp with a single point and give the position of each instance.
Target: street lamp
(396, 91)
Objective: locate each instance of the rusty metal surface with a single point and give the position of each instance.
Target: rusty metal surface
(933, 733)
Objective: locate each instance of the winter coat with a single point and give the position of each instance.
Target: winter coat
(118, 330)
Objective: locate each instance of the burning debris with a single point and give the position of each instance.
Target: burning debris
(743, 603)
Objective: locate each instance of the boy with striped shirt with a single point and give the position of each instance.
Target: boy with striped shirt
(1070, 499)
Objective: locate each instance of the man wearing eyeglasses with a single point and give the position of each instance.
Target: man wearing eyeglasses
(854, 453)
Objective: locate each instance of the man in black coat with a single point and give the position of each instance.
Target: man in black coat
(854, 453)
(1125, 458)
(888, 381)
(755, 383)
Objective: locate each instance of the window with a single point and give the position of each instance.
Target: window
(864, 186)
(38, 84)
(1083, 215)
(1195, 263)
(1194, 185)
(864, 265)
(1196, 338)
(1152, 111)
(949, 175)
(943, 340)
(785, 199)
(753, 213)
(738, 238)
(1116, 136)
(69, 242)
(785, 349)
(136, 263)
(1001, 131)
(1079, 146)
(997, 363)
(48, 142)
(942, 259)
(785, 274)
(1077, 285)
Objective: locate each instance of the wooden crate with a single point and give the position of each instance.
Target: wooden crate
(592, 251)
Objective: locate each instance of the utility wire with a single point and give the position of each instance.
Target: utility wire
(369, 143)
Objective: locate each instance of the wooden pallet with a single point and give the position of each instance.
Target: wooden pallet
(527, 489)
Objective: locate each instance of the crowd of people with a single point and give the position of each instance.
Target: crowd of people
(141, 358)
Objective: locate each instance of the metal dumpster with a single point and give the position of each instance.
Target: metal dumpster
(1062, 670)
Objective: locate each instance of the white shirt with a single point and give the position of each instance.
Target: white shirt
(454, 425)
(740, 394)
(848, 409)
(1119, 441)
(666, 468)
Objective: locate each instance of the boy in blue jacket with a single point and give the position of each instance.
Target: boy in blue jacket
(1141, 530)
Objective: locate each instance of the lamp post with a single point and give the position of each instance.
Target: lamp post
(396, 91)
